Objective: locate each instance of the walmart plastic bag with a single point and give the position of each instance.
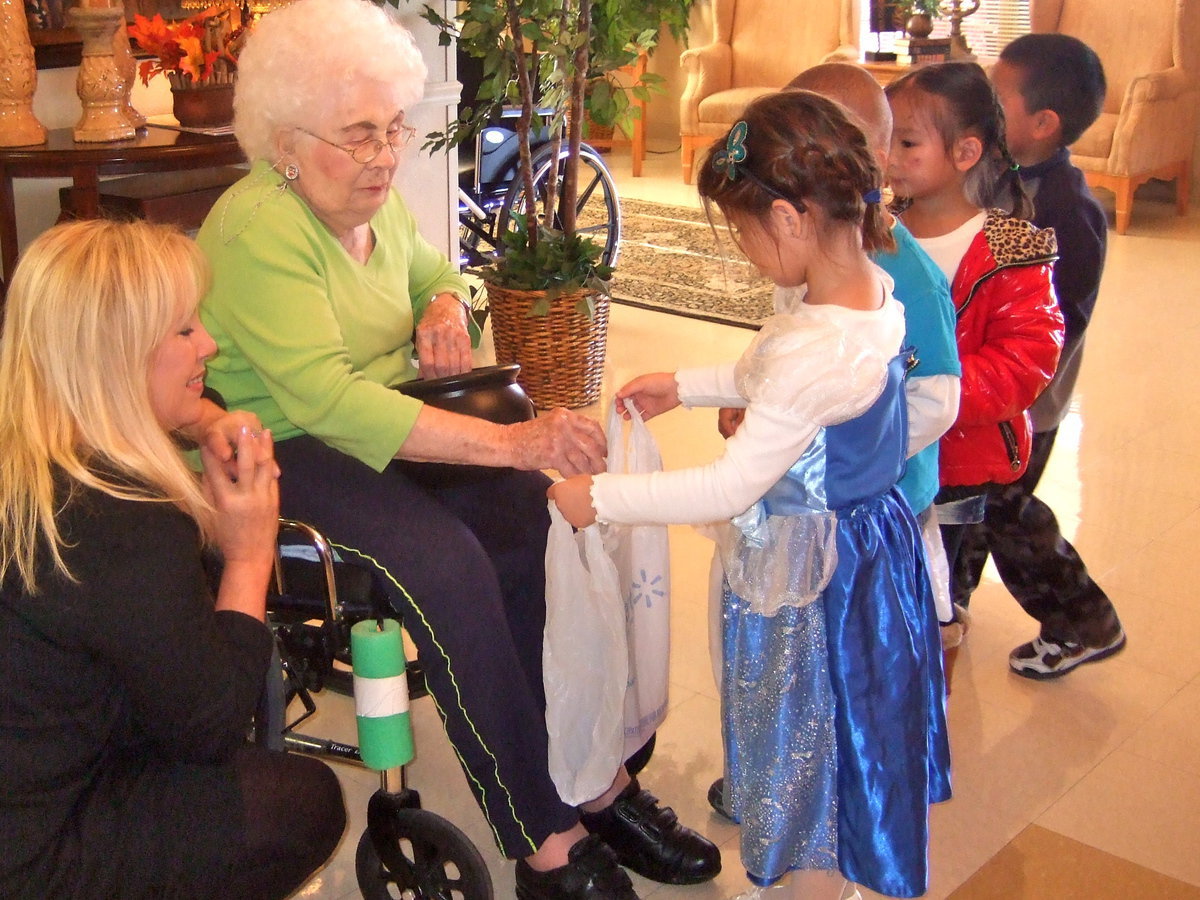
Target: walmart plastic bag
(584, 661)
(642, 557)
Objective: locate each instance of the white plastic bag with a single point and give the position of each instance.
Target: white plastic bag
(584, 662)
(642, 557)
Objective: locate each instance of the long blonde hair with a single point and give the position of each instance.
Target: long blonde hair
(87, 307)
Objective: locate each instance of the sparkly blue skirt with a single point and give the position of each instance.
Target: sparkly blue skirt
(834, 715)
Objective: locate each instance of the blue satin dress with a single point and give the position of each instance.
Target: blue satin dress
(834, 712)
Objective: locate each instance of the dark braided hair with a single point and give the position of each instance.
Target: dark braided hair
(800, 147)
(969, 106)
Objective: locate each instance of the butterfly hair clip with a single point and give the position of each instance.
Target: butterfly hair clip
(726, 161)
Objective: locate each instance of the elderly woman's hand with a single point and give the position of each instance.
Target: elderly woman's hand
(560, 439)
(220, 432)
(443, 343)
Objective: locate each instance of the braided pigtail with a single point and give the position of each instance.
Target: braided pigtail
(800, 147)
(877, 225)
(1020, 205)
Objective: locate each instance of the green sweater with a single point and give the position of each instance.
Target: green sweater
(310, 339)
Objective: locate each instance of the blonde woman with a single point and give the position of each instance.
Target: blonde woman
(126, 688)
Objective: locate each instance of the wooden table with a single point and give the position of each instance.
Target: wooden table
(886, 72)
(152, 150)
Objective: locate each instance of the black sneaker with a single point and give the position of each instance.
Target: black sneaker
(592, 873)
(649, 839)
(716, 799)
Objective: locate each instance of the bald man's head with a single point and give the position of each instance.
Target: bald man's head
(854, 88)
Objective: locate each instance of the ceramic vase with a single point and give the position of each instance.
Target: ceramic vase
(919, 25)
(128, 69)
(18, 79)
(102, 87)
(204, 105)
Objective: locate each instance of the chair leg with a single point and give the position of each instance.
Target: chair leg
(693, 145)
(1123, 188)
(1183, 187)
(687, 154)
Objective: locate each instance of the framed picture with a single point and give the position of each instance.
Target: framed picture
(57, 46)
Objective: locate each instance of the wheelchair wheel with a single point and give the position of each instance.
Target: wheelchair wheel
(598, 209)
(435, 861)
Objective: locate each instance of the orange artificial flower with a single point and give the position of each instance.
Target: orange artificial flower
(179, 47)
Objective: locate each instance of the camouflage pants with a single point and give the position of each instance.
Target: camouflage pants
(1038, 565)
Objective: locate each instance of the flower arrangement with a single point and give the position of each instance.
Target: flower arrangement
(194, 52)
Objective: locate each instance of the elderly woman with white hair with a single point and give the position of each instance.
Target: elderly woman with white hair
(323, 293)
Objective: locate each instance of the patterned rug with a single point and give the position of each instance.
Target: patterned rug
(671, 262)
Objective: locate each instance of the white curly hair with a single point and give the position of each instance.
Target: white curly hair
(299, 60)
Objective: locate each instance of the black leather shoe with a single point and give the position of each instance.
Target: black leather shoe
(649, 839)
(592, 873)
(716, 799)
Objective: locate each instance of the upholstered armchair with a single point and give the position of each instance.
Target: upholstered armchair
(758, 46)
(1151, 55)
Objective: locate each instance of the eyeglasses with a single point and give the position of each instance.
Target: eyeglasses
(365, 152)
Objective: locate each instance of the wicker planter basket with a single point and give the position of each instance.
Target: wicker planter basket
(561, 353)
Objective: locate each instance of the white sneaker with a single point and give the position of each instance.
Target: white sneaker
(1043, 659)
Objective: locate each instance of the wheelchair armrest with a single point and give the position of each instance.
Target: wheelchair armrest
(316, 585)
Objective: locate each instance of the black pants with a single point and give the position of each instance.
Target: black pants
(463, 564)
(254, 827)
(293, 817)
(1038, 565)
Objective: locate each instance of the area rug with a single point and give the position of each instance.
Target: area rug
(670, 261)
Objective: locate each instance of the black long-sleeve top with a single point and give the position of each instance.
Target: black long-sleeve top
(1063, 201)
(125, 668)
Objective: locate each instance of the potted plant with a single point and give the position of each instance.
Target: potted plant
(621, 32)
(198, 56)
(918, 16)
(548, 290)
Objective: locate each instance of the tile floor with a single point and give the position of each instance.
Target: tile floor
(1084, 788)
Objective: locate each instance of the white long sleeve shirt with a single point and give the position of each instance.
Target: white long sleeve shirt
(817, 366)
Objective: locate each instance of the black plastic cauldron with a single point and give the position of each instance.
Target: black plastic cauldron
(489, 392)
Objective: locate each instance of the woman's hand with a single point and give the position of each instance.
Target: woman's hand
(574, 499)
(650, 394)
(443, 344)
(247, 503)
(560, 439)
(220, 433)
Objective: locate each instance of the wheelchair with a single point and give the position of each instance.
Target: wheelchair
(490, 191)
(405, 851)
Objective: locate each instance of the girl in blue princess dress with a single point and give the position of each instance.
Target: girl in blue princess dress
(832, 697)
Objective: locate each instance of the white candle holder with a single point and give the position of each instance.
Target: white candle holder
(101, 85)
